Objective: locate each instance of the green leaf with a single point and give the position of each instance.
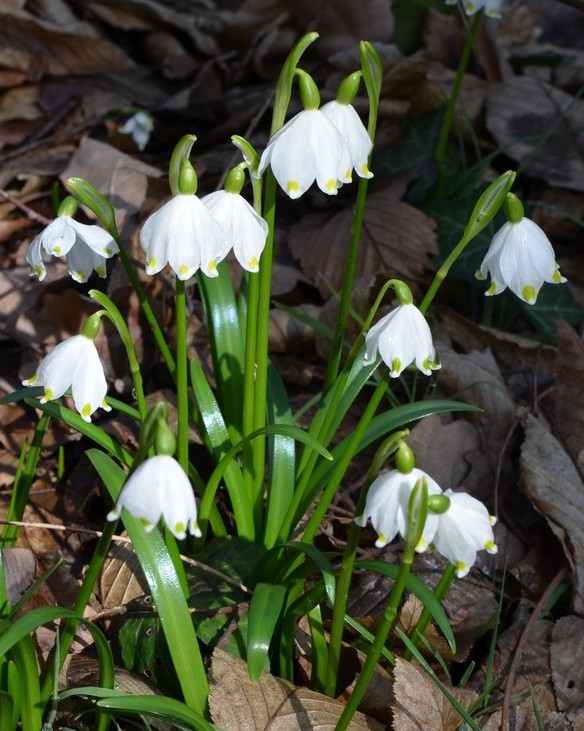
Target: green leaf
(166, 590)
(96, 202)
(7, 721)
(419, 589)
(265, 609)
(553, 303)
(226, 341)
(282, 458)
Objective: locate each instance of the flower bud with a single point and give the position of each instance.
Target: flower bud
(91, 326)
(309, 93)
(348, 88)
(405, 460)
(68, 206)
(164, 441)
(438, 504)
(187, 178)
(513, 208)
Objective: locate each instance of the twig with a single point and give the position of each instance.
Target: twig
(32, 214)
(123, 539)
(522, 642)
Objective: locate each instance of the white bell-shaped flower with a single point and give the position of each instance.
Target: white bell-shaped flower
(73, 363)
(520, 257)
(401, 338)
(492, 8)
(351, 128)
(86, 247)
(244, 229)
(387, 506)
(308, 148)
(159, 488)
(140, 126)
(465, 528)
(185, 235)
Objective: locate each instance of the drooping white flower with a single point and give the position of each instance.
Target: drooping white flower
(159, 488)
(402, 337)
(349, 124)
(520, 257)
(184, 234)
(244, 229)
(140, 126)
(86, 247)
(73, 363)
(308, 148)
(387, 506)
(465, 528)
(492, 7)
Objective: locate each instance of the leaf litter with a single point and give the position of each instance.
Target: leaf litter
(67, 79)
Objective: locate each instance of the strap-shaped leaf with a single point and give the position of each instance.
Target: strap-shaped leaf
(265, 609)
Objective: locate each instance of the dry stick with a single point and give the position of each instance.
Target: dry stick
(30, 213)
(554, 583)
(124, 540)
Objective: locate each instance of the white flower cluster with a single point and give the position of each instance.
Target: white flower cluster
(465, 528)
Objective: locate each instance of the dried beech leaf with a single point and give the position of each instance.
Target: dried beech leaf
(19, 570)
(397, 238)
(421, 705)
(552, 483)
(569, 396)
(567, 658)
(546, 134)
(121, 578)
(237, 704)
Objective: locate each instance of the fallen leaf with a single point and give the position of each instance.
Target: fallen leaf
(546, 136)
(238, 704)
(568, 394)
(397, 239)
(19, 571)
(552, 483)
(420, 705)
(567, 658)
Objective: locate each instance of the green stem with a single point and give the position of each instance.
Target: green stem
(426, 616)
(182, 447)
(146, 308)
(449, 113)
(341, 466)
(261, 353)
(347, 289)
(385, 627)
(442, 273)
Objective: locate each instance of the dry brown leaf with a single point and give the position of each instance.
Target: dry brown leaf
(567, 658)
(288, 334)
(546, 135)
(397, 239)
(552, 483)
(569, 395)
(121, 579)
(238, 704)
(420, 705)
(343, 23)
(19, 570)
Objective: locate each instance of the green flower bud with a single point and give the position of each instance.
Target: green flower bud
(348, 88)
(164, 441)
(187, 178)
(438, 504)
(417, 514)
(309, 93)
(91, 326)
(235, 180)
(405, 460)
(513, 208)
(403, 292)
(68, 207)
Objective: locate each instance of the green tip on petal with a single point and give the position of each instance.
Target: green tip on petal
(557, 277)
(331, 184)
(292, 186)
(381, 540)
(490, 547)
(179, 528)
(146, 523)
(395, 367)
(86, 412)
(491, 290)
(461, 568)
(529, 294)
(48, 395)
(254, 264)
(151, 263)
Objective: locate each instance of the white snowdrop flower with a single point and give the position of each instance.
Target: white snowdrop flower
(85, 245)
(465, 528)
(308, 148)
(387, 507)
(492, 8)
(73, 363)
(159, 488)
(402, 337)
(244, 229)
(140, 126)
(520, 257)
(183, 233)
(351, 128)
